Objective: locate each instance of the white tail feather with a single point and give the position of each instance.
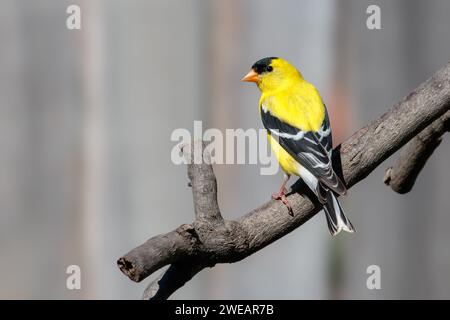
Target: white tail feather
(336, 218)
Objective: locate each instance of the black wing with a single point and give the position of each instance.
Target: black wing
(311, 149)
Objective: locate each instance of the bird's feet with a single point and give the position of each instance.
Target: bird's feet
(282, 197)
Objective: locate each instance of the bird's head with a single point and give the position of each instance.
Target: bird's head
(272, 74)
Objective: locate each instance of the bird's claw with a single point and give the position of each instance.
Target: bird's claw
(276, 196)
(282, 197)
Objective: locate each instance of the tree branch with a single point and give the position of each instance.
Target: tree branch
(402, 176)
(211, 239)
(171, 280)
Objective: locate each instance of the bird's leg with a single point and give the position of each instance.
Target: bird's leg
(282, 192)
(281, 195)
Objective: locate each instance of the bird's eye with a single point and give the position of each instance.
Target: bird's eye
(269, 68)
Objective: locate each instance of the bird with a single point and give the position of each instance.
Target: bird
(299, 132)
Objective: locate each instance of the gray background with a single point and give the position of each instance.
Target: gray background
(85, 124)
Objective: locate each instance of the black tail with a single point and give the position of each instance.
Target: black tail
(336, 218)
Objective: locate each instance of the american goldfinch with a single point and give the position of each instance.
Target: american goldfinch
(299, 132)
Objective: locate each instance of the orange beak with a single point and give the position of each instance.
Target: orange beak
(252, 76)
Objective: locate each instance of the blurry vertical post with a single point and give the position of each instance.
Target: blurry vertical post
(92, 186)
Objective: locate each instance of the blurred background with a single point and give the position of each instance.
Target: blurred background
(85, 123)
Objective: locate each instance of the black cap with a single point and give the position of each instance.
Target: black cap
(263, 65)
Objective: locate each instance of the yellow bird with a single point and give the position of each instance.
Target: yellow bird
(299, 132)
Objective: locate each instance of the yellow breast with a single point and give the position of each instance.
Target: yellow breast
(287, 162)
